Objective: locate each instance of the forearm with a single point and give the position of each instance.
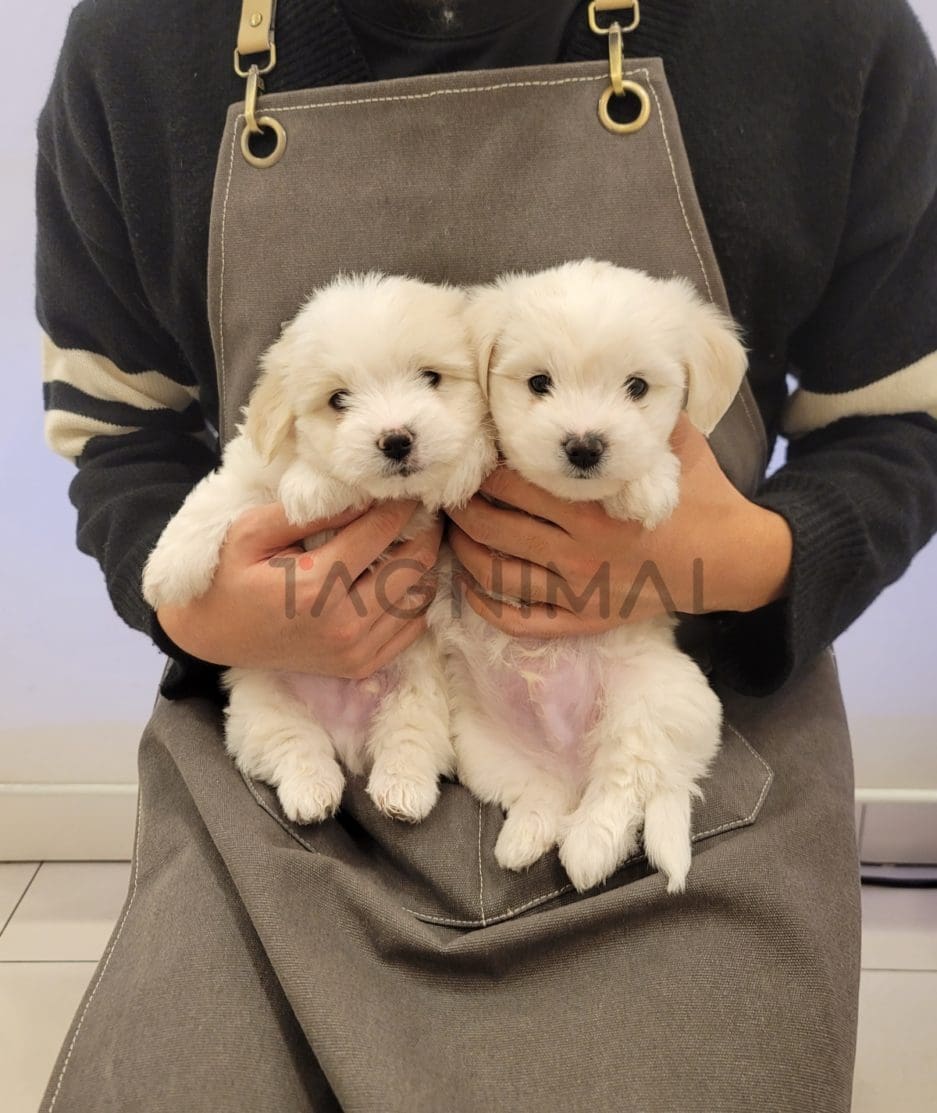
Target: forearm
(860, 499)
(751, 567)
(125, 491)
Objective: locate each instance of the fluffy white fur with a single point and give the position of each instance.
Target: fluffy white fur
(585, 740)
(382, 340)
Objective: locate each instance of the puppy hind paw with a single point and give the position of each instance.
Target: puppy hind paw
(667, 838)
(590, 854)
(525, 837)
(401, 796)
(312, 797)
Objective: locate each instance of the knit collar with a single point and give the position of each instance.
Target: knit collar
(316, 45)
(662, 26)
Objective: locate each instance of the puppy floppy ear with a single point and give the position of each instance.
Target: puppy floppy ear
(715, 363)
(269, 417)
(485, 316)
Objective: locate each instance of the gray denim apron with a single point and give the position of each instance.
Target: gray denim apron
(377, 967)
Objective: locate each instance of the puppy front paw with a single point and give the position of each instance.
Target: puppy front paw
(308, 497)
(651, 499)
(525, 836)
(407, 796)
(480, 458)
(310, 797)
(172, 578)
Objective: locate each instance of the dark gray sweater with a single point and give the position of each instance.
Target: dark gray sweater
(812, 132)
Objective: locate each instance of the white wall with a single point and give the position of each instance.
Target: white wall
(76, 685)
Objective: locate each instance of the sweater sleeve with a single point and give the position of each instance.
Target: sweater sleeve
(119, 399)
(859, 486)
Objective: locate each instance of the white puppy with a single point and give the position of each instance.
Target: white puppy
(582, 740)
(371, 392)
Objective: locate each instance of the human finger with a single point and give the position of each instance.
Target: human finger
(503, 575)
(265, 530)
(363, 540)
(537, 620)
(405, 633)
(510, 531)
(508, 486)
(405, 567)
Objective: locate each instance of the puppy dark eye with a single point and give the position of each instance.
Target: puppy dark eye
(339, 400)
(432, 377)
(636, 387)
(540, 384)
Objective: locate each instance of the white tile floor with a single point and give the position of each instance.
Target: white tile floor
(55, 919)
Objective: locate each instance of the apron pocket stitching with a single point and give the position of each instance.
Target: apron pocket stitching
(769, 778)
(699, 836)
(510, 913)
(481, 875)
(252, 789)
(543, 898)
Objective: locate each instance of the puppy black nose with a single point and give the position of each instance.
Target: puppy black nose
(395, 444)
(584, 452)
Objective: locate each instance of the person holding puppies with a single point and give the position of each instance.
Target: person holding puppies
(361, 963)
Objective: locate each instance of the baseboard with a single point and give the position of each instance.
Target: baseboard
(95, 822)
(897, 826)
(67, 822)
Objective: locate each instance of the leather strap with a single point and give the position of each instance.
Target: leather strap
(255, 32)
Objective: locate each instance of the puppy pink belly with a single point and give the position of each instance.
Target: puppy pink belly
(343, 708)
(545, 711)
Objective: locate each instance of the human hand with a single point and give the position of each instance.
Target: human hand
(582, 572)
(273, 605)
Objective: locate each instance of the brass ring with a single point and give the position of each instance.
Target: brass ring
(276, 154)
(642, 118)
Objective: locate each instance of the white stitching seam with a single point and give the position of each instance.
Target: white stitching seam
(273, 815)
(758, 431)
(222, 392)
(686, 220)
(481, 876)
(673, 171)
(444, 93)
(107, 960)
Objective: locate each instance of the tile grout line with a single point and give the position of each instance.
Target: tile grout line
(6, 922)
(898, 970)
(48, 962)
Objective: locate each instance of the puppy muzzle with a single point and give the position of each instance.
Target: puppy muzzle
(396, 444)
(584, 452)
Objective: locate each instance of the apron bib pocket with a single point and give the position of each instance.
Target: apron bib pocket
(443, 870)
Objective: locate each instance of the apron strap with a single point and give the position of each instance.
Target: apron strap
(597, 6)
(255, 35)
(255, 39)
(618, 86)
